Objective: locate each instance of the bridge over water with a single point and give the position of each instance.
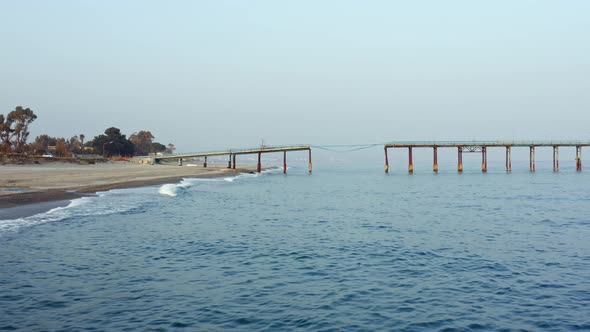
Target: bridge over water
(232, 153)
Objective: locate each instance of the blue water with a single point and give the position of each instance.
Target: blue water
(345, 249)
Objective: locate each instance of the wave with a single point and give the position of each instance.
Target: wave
(114, 202)
(168, 190)
(172, 190)
(103, 203)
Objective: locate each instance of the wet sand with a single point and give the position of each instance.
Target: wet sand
(29, 184)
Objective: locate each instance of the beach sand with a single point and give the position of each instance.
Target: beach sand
(28, 184)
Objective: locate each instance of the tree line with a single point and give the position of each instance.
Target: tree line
(14, 132)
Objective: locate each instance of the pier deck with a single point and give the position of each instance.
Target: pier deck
(454, 144)
(482, 146)
(232, 153)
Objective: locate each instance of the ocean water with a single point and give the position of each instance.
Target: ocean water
(345, 249)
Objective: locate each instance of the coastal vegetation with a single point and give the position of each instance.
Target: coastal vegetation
(14, 133)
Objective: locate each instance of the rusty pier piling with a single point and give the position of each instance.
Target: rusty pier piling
(482, 147)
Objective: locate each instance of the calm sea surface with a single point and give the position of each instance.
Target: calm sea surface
(347, 248)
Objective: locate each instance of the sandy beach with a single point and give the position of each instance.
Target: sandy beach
(28, 184)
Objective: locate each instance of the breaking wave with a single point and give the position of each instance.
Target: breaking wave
(103, 203)
(113, 202)
(168, 190)
(172, 190)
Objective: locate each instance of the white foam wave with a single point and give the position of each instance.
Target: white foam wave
(168, 190)
(114, 202)
(103, 203)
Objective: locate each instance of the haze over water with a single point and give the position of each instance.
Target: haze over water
(347, 248)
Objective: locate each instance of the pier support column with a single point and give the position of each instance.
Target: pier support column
(284, 162)
(435, 159)
(229, 162)
(484, 159)
(460, 160)
(532, 159)
(556, 159)
(508, 159)
(386, 162)
(578, 158)
(205, 163)
(179, 161)
(259, 165)
(309, 167)
(410, 161)
(234, 162)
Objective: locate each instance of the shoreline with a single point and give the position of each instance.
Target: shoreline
(37, 190)
(28, 210)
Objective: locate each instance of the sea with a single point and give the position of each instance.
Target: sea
(347, 248)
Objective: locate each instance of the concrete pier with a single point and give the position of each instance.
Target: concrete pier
(233, 153)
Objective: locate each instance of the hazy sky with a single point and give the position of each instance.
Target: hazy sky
(218, 74)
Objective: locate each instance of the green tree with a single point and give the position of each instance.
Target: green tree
(98, 143)
(5, 131)
(113, 142)
(158, 147)
(142, 141)
(15, 129)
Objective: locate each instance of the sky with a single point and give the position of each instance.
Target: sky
(217, 74)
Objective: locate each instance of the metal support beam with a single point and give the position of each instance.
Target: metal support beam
(484, 159)
(460, 160)
(556, 159)
(532, 159)
(410, 161)
(284, 162)
(309, 166)
(259, 165)
(386, 161)
(229, 162)
(578, 158)
(234, 162)
(435, 159)
(205, 163)
(508, 159)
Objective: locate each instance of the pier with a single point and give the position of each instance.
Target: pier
(232, 154)
(482, 147)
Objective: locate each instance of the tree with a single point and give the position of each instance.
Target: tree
(158, 147)
(142, 141)
(61, 148)
(15, 128)
(113, 143)
(74, 144)
(98, 143)
(170, 148)
(42, 143)
(82, 136)
(5, 131)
